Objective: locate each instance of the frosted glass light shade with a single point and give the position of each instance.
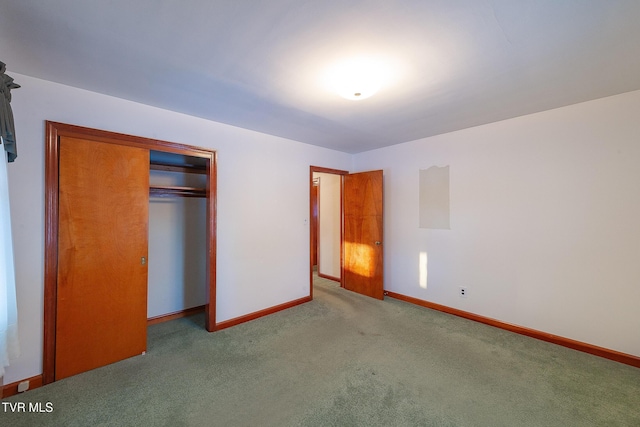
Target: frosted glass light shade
(356, 79)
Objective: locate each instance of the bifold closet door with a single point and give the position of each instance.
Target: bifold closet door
(101, 309)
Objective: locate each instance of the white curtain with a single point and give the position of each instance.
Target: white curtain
(9, 348)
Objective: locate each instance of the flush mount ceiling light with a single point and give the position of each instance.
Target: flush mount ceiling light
(357, 78)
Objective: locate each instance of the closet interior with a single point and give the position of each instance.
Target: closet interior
(177, 243)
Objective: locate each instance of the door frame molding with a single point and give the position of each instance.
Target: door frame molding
(53, 132)
(319, 169)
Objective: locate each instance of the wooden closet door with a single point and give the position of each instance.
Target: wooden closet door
(102, 249)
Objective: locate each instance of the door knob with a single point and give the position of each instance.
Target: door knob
(378, 243)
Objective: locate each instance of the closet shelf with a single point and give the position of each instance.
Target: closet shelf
(161, 166)
(172, 191)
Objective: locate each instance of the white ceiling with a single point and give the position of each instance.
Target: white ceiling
(256, 63)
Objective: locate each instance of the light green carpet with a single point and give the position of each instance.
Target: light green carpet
(344, 360)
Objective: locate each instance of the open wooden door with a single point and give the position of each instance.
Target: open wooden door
(362, 235)
(101, 314)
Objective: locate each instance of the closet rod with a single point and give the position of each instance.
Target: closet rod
(171, 191)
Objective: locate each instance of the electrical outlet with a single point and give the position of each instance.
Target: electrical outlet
(463, 291)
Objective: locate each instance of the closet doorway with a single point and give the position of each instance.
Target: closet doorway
(96, 249)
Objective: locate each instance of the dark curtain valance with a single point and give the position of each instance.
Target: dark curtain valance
(7, 128)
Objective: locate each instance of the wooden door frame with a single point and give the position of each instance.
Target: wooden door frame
(319, 169)
(53, 132)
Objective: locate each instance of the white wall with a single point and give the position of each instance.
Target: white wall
(545, 221)
(263, 257)
(329, 224)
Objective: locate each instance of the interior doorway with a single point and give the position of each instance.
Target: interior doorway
(326, 223)
(358, 252)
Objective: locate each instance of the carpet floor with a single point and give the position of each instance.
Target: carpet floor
(342, 360)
